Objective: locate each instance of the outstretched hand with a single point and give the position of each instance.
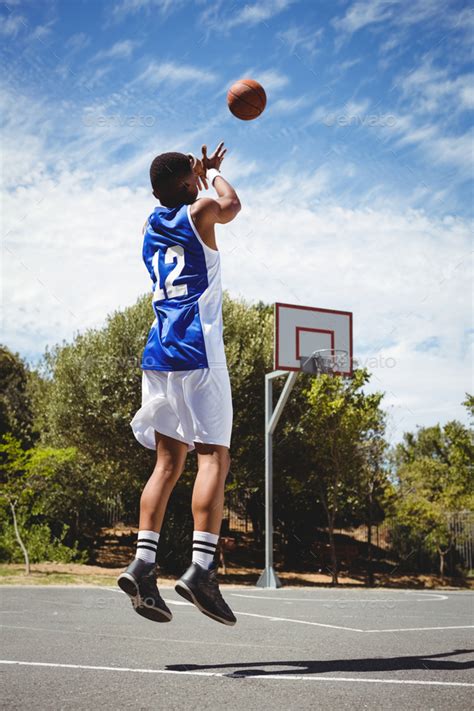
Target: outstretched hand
(203, 164)
(214, 160)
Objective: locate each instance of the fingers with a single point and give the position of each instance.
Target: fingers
(216, 152)
(201, 182)
(204, 151)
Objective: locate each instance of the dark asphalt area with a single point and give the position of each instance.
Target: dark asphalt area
(293, 648)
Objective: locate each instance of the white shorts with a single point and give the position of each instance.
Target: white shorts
(188, 405)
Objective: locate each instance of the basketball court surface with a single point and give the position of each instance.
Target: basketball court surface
(292, 648)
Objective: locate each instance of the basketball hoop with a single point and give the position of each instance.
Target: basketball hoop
(327, 361)
(326, 334)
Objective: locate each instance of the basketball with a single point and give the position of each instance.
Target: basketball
(246, 99)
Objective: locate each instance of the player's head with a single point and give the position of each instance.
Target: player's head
(173, 179)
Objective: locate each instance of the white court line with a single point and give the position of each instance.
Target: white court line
(178, 602)
(353, 629)
(429, 597)
(264, 677)
(424, 629)
(272, 618)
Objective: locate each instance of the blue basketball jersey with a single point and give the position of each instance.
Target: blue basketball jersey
(187, 294)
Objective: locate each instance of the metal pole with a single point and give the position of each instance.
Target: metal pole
(269, 579)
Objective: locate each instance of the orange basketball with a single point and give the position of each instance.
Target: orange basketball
(246, 99)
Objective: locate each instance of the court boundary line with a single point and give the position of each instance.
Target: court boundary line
(233, 675)
(273, 618)
(428, 597)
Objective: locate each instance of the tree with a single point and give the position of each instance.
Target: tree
(15, 405)
(469, 405)
(91, 388)
(433, 470)
(95, 389)
(339, 421)
(248, 337)
(373, 486)
(24, 474)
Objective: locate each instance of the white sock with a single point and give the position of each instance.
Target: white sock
(147, 544)
(204, 548)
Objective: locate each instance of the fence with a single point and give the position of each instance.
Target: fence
(113, 509)
(462, 526)
(237, 519)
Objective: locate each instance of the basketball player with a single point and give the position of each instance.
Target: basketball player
(186, 396)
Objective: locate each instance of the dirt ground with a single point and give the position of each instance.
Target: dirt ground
(77, 574)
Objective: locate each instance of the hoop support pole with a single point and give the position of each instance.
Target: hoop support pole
(268, 578)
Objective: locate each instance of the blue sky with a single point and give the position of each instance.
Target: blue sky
(356, 181)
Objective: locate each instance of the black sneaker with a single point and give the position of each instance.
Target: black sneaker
(200, 587)
(139, 582)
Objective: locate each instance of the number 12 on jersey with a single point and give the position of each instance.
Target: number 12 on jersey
(169, 290)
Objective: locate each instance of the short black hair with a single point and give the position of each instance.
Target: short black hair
(166, 168)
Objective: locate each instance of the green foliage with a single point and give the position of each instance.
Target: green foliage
(342, 421)
(47, 489)
(95, 389)
(469, 404)
(329, 448)
(42, 545)
(434, 479)
(25, 473)
(248, 336)
(16, 414)
(322, 457)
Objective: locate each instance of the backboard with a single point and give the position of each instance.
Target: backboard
(302, 330)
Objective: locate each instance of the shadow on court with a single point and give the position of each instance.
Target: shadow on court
(425, 661)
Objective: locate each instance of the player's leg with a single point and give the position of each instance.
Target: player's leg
(170, 461)
(199, 583)
(139, 579)
(208, 493)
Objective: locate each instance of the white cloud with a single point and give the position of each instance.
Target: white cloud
(437, 147)
(77, 41)
(398, 13)
(119, 50)
(363, 13)
(11, 25)
(217, 18)
(301, 38)
(131, 7)
(271, 80)
(172, 72)
(40, 32)
(429, 88)
(289, 105)
(353, 112)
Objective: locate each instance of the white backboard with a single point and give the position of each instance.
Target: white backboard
(301, 330)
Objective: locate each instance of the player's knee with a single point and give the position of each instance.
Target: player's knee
(166, 474)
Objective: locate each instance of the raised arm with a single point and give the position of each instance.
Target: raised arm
(222, 209)
(206, 212)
